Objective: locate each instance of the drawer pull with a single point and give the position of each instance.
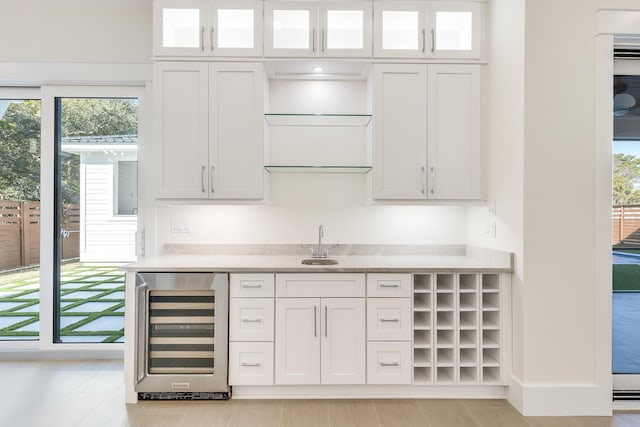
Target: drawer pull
(250, 286)
(256, 320)
(255, 365)
(390, 363)
(389, 285)
(395, 319)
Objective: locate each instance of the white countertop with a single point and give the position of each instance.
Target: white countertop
(471, 259)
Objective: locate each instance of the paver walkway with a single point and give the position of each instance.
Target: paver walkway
(92, 300)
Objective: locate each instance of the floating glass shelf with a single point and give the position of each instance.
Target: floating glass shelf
(316, 169)
(333, 120)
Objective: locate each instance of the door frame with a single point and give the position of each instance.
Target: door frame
(610, 25)
(48, 232)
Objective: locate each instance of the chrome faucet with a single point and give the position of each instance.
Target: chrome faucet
(320, 251)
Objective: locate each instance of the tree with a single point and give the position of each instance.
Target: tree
(20, 151)
(20, 141)
(626, 179)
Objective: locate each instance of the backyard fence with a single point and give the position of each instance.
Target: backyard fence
(20, 233)
(625, 224)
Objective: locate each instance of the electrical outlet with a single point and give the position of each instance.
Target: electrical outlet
(490, 229)
(180, 226)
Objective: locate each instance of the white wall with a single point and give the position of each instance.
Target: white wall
(504, 158)
(542, 158)
(75, 31)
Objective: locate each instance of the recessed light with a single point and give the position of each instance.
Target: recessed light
(317, 69)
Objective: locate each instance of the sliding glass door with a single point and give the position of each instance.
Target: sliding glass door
(626, 238)
(96, 207)
(19, 214)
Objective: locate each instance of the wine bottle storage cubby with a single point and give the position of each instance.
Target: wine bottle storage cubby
(421, 338)
(422, 302)
(457, 328)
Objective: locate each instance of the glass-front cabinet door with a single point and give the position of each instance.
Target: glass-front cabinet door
(179, 27)
(400, 29)
(290, 28)
(207, 27)
(455, 30)
(335, 29)
(346, 28)
(427, 30)
(236, 28)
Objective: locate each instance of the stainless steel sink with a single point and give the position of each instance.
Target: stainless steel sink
(319, 261)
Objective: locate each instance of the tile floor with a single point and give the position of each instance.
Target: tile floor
(91, 394)
(92, 302)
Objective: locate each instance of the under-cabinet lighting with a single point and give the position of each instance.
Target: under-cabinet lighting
(317, 69)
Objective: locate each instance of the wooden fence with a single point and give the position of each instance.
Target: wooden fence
(20, 233)
(626, 225)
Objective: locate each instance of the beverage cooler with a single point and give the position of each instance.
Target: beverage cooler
(182, 326)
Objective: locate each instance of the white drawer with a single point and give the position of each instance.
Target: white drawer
(388, 319)
(300, 285)
(389, 363)
(251, 363)
(251, 285)
(388, 285)
(251, 319)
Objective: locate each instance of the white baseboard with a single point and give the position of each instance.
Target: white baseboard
(560, 399)
(368, 392)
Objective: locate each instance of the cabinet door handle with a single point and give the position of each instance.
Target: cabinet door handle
(256, 320)
(250, 286)
(325, 321)
(393, 319)
(389, 363)
(322, 40)
(315, 321)
(433, 41)
(433, 178)
(213, 168)
(204, 190)
(211, 38)
(389, 285)
(424, 41)
(202, 39)
(423, 177)
(313, 41)
(256, 364)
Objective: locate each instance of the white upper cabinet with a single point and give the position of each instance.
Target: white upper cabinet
(427, 30)
(333, 29)
(207, 27)
(454, 131)
(427, 132)
(209, 127)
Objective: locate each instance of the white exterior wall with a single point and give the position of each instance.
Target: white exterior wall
(105, 237)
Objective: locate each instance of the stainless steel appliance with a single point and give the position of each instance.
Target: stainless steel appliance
(182, 324)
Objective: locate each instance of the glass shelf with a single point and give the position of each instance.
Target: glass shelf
(316, 169)
(333, 120)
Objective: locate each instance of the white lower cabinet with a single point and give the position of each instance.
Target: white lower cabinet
(389, 328)
(251, 363)
(389, 362)
(251, 328)
(320, 340)
(320, 329)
